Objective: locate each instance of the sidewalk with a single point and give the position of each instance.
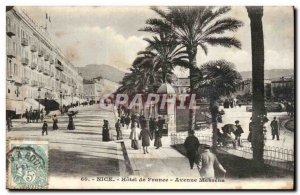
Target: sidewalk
(163, 162)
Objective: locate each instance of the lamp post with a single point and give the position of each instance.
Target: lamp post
(39, 97)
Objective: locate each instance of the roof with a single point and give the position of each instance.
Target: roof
(166, 88)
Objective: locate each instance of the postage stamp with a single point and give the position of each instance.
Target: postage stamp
(27, 164)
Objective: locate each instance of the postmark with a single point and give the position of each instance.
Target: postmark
(27, 165)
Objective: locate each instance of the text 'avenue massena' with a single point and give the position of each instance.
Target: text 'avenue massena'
(142, 179)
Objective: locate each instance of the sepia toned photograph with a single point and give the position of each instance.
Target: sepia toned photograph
(150, 97)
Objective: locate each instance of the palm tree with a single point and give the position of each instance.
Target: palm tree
(255, 14)
(154, 66)
(195, 27)
(216, 79)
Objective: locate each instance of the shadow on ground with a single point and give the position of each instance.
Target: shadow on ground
(238, 167)
(78, 164)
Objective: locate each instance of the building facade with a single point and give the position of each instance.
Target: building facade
(92, 90)
(37, 71)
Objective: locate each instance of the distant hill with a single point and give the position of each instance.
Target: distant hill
(105, 71)
(270, 74)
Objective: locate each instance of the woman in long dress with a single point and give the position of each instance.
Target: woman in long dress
(145, 136)
(157, 140)
(55, 121)
(134, 136)
(71, 125)
(105, 132)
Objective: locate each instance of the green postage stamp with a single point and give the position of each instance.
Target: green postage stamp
(27, 164)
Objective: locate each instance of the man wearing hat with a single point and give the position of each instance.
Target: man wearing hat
(238, 132)
(274, 127)
(191, 145)
(45, 128)
(207, 162)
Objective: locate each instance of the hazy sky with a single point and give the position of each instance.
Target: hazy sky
(109, 35)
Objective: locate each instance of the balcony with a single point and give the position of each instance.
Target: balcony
(24, 42)
(46, 71)
(59, 66)
(33, 65)
(51, 60)
(11, 53)
(40, 68)
(46, 57)
(25, 61)
(34, 83)
(40, 53)
(57, 77)
(33, 48)
(51, 74)
(10, 31)
(25, 80)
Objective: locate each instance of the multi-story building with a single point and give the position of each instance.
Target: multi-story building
(283, 88)
(92, 90)
(37, 71)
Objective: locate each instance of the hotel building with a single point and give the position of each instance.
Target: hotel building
(38, 74)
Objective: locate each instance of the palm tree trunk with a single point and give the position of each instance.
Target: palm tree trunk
(257, 40)
(214, 110)
(192, 60)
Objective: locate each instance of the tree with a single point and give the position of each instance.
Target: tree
(195, 27)
(154, 66)
(215, 79)
(255, 14)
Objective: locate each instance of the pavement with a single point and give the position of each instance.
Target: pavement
(78, 152)
(81, 152)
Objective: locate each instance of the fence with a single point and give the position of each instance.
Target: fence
(274, 156)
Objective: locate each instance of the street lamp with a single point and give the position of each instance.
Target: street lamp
(39, 97)
(60, 95)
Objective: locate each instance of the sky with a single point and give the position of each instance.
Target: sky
(109, 35)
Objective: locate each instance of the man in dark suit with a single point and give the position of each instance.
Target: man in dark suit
(191, 145)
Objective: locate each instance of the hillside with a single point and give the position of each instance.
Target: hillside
(105, 71)
(270, 74)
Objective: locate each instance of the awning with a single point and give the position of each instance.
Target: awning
(28, 102)
(15, 105)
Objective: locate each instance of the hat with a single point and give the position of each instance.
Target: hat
(237, 121)
(45, 121)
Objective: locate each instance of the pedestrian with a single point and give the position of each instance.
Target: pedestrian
(118, 129)
(8, 123)
(55, 121)
(37, 116)
(71, 125)
(238, 132)
(127, 121)
(142, 121)
(105, 131)
(152, 125)
(123, 120)
(27, 115)
(30, 115)
(45, 128)
(207, 162)
(42, 115)
(250, 130)
(145, 136)
(157, 139)
(275, 128)
(191, 145)
(134, 136)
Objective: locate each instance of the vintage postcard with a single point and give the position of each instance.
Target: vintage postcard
(170, 98)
